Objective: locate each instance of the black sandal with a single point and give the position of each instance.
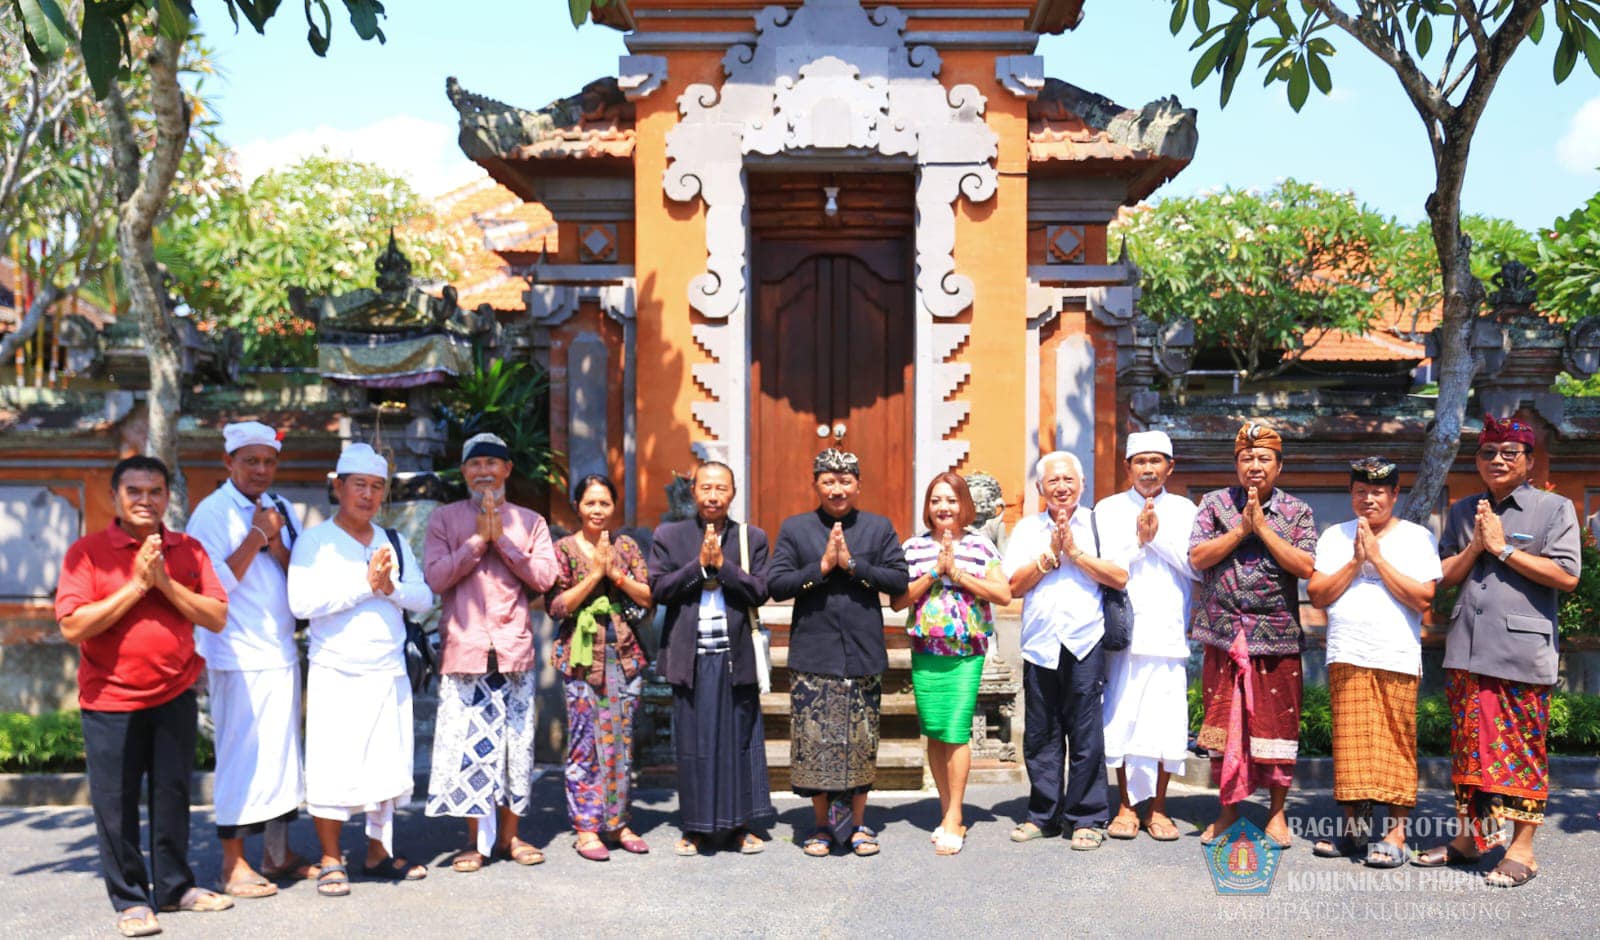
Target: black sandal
(1342, 847)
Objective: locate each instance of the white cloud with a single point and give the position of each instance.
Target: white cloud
(423, 152)
(1579, 149)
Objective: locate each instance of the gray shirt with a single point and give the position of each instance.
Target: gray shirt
(1504, 625)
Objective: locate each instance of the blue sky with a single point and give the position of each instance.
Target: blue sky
(1534, 157)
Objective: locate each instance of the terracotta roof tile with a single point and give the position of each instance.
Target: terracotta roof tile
(499, 228)
(1375, 346)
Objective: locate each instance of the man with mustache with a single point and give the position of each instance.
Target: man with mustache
(1252, 543)
(1051, 562)
(482, 557)
(129, 598)
(355, 582)
(1145, 530)
(710, 573)
(253, 665)
(1375, 576)
(1514, 549)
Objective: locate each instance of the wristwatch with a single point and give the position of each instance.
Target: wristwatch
(1505, 553)
(850, 565)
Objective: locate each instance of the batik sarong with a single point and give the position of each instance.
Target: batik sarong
(600, 749)
(833, 738)
(482, 746)
(1498, 763)
(1252, 717)
(1374, 735)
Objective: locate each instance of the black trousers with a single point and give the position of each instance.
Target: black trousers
(1062, 708)
(126, 752)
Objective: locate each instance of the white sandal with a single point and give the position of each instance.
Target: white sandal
(937, 835)
(950, 843)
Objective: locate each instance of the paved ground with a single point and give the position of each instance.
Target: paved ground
(49, 888)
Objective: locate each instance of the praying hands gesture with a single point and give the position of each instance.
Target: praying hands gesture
(1062, 544)
(1148, 522)
(945, 565)
(1366, 547)
(380, 572)
(837, 552)
(490, 527)
(1253, 519)
(149, 567)
(1488, 533)
(711, 549)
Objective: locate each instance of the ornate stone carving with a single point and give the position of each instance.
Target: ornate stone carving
(1022, 75)
(831, 78)
(1582, 354)
(1514, 286)
(640, 75)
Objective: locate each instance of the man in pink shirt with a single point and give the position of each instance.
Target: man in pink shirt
(482, 557)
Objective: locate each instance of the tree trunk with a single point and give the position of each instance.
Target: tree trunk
(46, 296)
(142, 188)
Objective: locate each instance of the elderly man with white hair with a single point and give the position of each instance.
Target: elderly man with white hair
(1052, 564)
(484, 555)
(354, 582)
(1145, 529)
(252, 666)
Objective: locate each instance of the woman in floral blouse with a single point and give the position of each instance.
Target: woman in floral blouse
(600, 662)
(955, 576)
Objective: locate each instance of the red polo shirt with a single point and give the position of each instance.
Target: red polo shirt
(147, 658)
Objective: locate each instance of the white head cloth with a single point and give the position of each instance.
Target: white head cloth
(1149, 442)
(246, 433)
(361, 458)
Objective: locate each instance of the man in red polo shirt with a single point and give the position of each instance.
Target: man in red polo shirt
(129, 598)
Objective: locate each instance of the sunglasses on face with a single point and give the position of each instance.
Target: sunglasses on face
(1508, 454)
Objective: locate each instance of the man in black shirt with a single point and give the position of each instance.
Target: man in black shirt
(836, 562)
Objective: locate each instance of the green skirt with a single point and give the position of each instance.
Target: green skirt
(946, 688)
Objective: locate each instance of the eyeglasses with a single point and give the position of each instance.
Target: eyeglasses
(1508, 454)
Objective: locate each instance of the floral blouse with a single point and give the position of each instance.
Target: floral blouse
(950, 621)
(572, 566)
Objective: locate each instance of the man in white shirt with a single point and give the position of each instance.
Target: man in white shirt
(1051, 564)
(1375, 575)
(1145, 530)
(252, 666)
(345, 578)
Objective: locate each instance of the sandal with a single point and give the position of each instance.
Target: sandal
(950, 842)
(594, 851)
(333, 881)
(1125, 826)
(467, 861)
(1384, 854)
(1441, 855)
(395, 868)
(1342, 847)
(137, 921)
(1162, 828)
(632, 844)
(750, 843)
(295, 868)
(1028, 831)
(199, 899)
(250, 888)
(864, 842)
(820, 845)
(521, 852)
(1510, 873)
(688, 845)
(1087, 839)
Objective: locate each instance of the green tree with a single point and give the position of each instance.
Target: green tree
(1259, 273)
(320, 225)
(1568, 264)
(1447, 56)
(1411, 266)
(107, 36)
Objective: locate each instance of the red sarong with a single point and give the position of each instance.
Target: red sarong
(1498, 763)
(1252, 717)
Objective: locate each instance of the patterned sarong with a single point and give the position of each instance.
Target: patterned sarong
(1374, 735)
(482, 744)
(600, 748)
(1497, 752)
(833, 738)
(1252, 717)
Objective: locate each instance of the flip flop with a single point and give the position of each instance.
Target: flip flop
(1513, 874)
(1124, 827)
(137, 922)
(395, 868)
(333, 882)
(250, 888)
(1162, 829)
(200, 900)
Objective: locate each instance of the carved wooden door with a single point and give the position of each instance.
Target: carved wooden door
(832, 349)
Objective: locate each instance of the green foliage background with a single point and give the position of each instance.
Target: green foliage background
(53, 743)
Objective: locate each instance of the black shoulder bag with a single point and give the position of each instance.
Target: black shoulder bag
(421, 664)
(1114, 602)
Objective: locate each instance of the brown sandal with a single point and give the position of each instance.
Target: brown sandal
(1162, 828)
(467, 860)
(520, 852)
(1510, 873)
(1125, 826)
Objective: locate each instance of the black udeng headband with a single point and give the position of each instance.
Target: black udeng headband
(1375, 470)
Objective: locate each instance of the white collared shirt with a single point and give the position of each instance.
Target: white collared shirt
(1367, 625)
(260, 630)
(1063, 609)
(353, 629)
(1160, 581)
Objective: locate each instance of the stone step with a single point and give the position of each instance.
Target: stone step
(897, 703)
(900, 765)
(899, 659)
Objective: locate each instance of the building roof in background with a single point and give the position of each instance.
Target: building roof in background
(498, 228)
(11, 298)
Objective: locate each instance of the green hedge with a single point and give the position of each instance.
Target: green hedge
(53, 743)
(1574, 723)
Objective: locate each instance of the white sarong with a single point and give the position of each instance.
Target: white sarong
(260, 775)
(1146, 716)
(358, 748)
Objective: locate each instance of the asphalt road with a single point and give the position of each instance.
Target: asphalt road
(50, 888)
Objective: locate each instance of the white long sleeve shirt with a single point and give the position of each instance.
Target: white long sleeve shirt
(1063, 608)
(260, 629)
(1160, 581)
(353, 629)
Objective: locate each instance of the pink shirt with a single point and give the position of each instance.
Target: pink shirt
(484, 587)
